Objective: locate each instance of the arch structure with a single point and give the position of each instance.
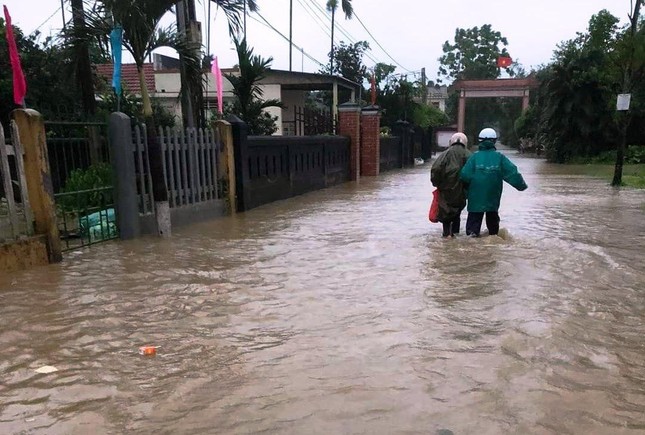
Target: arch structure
(519, 88)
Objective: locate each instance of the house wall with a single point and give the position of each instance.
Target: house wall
(271, 92)
(168, 87)
(443, 138)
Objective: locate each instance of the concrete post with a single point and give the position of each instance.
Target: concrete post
(226, 170)
(461, 118)
(370, 141)
(31, 129)
(240, 155)
(525, 101)
(349, 124)
(159, 188)
(125, 181)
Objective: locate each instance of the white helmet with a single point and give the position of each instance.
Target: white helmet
(487, 134)
(458, 138)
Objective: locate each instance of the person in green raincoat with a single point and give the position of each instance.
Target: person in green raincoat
(444, 175)
(484, 174)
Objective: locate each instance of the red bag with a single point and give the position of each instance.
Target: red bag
(433, 214)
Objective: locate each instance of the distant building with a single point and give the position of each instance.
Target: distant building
(437, 96)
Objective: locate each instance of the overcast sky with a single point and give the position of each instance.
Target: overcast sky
(412, 33)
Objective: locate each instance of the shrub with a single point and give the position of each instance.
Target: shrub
(80, 180)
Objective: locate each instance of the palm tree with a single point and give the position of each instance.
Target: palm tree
(348, 9)
(249, 104)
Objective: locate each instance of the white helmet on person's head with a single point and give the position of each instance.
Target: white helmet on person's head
(487, 134)
(458, 138)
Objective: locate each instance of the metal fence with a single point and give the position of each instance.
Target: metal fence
(82, 182)
(190, 162)
(73, 146)
(391, 153)
(16, 218)
(311, 122)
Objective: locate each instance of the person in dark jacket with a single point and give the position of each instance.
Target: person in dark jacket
(444, 175)
(484, 173)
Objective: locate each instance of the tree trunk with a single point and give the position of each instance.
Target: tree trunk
(145, 97)
(620, 154)
(82, 53)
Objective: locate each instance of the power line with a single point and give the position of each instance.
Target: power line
(340, 28)
(47, 20)
(377, 43)
(343, 31)
(325, 15)
(267, 24)
(315, 17)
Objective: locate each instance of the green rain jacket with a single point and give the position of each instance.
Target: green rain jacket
(484, 173)
(445, 177)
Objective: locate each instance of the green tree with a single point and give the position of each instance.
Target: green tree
(249, 105)
(348, 61)
(473, 54)
(48, 69)
(574, 105)
(396, 96)
(428, 116)
(332, 6)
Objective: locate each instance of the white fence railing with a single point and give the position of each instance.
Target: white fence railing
(16, 218)
(190, 161)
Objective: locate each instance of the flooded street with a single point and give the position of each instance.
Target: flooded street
(340, 312)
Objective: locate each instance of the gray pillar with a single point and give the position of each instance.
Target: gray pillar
(125, 182)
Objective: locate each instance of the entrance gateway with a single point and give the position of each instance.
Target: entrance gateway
(491, 89)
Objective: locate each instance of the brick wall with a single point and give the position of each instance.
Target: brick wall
(370, 141)
(349, 124)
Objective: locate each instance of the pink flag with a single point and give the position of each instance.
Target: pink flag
(218, 81)
(19, 83)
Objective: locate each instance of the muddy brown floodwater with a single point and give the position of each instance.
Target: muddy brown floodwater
(342, 312)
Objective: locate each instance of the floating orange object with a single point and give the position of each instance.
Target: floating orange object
(148, 350)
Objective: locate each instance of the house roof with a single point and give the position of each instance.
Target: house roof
(294, 80)
(129, 76)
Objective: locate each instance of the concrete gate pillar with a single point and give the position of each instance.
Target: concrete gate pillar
(461, 117)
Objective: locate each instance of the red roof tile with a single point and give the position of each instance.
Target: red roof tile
(129, 76)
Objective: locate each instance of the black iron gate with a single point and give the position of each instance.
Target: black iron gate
(82, 181)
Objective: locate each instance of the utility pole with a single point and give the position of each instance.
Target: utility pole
(331, 55)
(62, 11)
(192, 98)
(424, 89)
(244, 19)
(83, 66)
(290, 34)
